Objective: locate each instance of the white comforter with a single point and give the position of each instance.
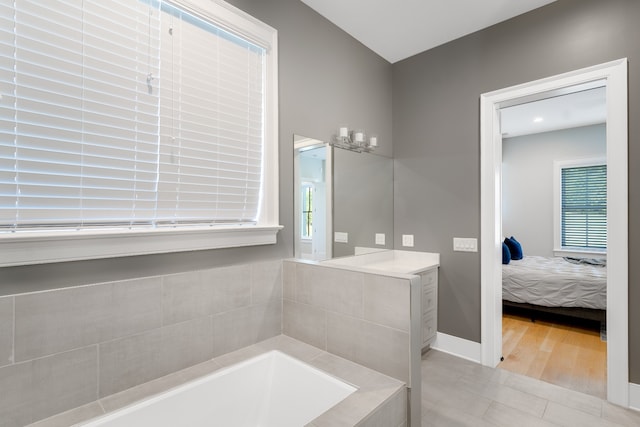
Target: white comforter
(554, 282)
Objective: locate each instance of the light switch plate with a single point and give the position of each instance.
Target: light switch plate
(407, 240)
(465, 244)
(340, 237)
(380, 238)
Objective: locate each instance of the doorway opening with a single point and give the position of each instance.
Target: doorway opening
(554, 201)
(614, 76)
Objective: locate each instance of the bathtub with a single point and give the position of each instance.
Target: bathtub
(270, 390)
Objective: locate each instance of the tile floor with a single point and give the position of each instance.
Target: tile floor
(457, 393)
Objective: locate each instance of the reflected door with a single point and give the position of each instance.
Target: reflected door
(312, 199)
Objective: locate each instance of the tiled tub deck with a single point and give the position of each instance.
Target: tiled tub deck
(379, 401)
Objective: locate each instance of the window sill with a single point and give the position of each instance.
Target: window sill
(577, 252)
(42, 248)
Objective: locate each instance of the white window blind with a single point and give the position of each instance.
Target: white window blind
(584, 207)
(79, 125)
(211, 122)
(126, 113)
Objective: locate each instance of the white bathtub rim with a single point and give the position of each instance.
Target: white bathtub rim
(179, 388)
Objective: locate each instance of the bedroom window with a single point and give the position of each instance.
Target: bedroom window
(150, 119)
(582, 206)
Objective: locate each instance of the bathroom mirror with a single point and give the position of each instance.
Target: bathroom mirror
(342, 200)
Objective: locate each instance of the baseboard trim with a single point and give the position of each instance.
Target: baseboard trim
(459, 347)
(634, 396)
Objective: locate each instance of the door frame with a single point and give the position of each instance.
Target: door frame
(614, 75)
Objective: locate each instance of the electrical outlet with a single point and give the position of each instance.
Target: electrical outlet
(341, 237)
(465, 244)
(380, 238)
(407, 240)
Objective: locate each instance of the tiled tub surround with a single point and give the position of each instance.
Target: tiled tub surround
(372, 319)
(65, 348)
(379, 401)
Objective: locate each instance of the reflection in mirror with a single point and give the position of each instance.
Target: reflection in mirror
(312, 198)
(343, 191)
(362, 201)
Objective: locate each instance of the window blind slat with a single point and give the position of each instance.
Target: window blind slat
(584, 207)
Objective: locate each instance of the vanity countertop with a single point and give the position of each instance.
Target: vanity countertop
(390, 261)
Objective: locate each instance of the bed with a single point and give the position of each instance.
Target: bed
(555, 285)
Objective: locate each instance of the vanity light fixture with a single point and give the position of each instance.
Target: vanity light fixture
(354, 140)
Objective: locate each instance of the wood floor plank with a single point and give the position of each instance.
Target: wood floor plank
(569, 355)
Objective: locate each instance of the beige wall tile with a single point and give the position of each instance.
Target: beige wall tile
(345, 292)
(266, 282)
(55, 321)
(64, 381)
(245, 326)
(306, 323)
(136, 306)
(232, 330)
(119, 400)
(130, 361)
(15, 406)
(393, 412)
(387, 301)
(186, 296)
(289, 280)
(6, 331)
(377, 347)
(267, 320)
(310, 285)
(231, 287)
(187, 343)
(336, 290)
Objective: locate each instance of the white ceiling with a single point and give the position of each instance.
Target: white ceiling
(583, 108)
(398, 29)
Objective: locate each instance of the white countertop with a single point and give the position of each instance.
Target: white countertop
(391, 261)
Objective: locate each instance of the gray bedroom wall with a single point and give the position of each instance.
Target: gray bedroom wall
(436, 122)
(528, 180)
(326, 79)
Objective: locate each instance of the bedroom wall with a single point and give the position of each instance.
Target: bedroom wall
(326, 78)
(436, 122)
(528, 184)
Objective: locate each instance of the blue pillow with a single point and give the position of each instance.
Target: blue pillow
(514, 247)
(506, 254)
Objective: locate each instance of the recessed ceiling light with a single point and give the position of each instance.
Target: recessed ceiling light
(538, 119)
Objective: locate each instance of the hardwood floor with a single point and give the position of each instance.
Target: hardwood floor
(556, 350)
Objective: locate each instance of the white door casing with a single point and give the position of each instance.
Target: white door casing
(614, 76)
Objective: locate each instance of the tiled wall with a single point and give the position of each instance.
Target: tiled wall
(64, 348)
(361, 317)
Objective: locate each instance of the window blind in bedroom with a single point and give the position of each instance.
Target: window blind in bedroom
(584, 207)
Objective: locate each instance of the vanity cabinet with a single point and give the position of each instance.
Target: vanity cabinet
(429, 280)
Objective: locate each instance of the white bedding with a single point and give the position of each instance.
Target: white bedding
(554, 282)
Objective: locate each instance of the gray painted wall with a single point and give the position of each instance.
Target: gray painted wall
(362, 200)
(528, 181)
(436, 122)
(326, 78)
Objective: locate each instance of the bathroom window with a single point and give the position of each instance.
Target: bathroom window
(581, 206)
(145, 119)
(307, 211)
